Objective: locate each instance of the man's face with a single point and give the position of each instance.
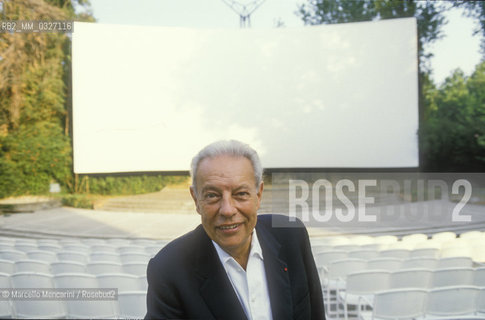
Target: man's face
(227, 200)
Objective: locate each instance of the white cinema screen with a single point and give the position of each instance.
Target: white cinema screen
(333, 96)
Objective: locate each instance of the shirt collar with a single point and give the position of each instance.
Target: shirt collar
(255, 250)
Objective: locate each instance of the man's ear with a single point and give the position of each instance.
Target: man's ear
(193, 193)
(260, 193)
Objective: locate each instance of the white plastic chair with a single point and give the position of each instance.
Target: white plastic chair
(131, 249)
(395, 253)
(426, 263)
(103, 248)
(479, 277)
(72, 256)
(361, 286)
(104, 257)
(118, 242)
(470, 235)
(12, 255)
(323, 259)
(424, 252)
(76, 248)
(7, 266)
(120, 281)
(455, 302)
(50, 247)
(67, 267)
(456, 251)
(37, 309)
(397, 304)
(452, 277)
(411, 278)
(135, 268)
(444, 236)
(92, 242)
(25, 247)
(94, 309)
(363, 254)
(42, 255)
(454, 262)
(346, 247)
(101, 267)
(32, 266)
(128, 257)
(132, 304)
(415, 237)
(388, 264)
(143, 282)
(385, 240)
(481, 303)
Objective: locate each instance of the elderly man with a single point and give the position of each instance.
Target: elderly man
(236, 264)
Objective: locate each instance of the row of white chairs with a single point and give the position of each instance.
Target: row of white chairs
(326, 257)
(447, 303)
(80, 247)
(86, 241)
(131, 291)
(15, 255)
(415, 238)
(99, 267)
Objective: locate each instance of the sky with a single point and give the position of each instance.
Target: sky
(458, 48)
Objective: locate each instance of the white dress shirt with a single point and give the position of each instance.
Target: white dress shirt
(250, 285)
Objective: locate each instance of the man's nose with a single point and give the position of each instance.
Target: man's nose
(227, 206)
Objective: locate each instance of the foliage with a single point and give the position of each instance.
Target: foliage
(476, 10)
(125, 185)
(35, 147)
(428, 14)
(453, 136)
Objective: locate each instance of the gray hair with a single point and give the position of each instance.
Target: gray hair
(230, 148)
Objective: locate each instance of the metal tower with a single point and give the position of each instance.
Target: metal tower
(244, 10)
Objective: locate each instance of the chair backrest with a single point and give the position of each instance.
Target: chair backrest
(346, 247)
(26, 247)
(395, 253)
(340, 268)
(72, 256)
(385, 239)
(12, 255)
(132, 304)
(454, 262)
(75, 280)
(7, 266)
(143, 282)
(131, 249)
(31, 280)
(479, 277)
(388, 264)
(101, 267)
(39, 309)
(456, 251)
(419, 262)
(399, 304)
(367, 282)
(452, 301)
(42, 255)
(50, 247)
(411, 278)
(120, 281)
(67, 267)
(325, 258)
(32, 266)
(76, 248)
(363, 254)
(452, 277)
(481, 301)
(104, 256)
(471, 235)
(103, 248)
(136, 268)
(415, 237)
(4, 280)
(444, 236)
(425, 252)
(129, 257)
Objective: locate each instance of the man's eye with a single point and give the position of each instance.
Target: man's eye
(242, 194)
(211, 195)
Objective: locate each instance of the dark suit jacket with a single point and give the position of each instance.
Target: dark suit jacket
(186, 279)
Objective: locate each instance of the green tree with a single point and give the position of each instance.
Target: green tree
(429, 15)
(453, 135)
(35, 146)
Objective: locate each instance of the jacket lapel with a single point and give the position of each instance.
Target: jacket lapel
(215, 288)
(276, 274)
